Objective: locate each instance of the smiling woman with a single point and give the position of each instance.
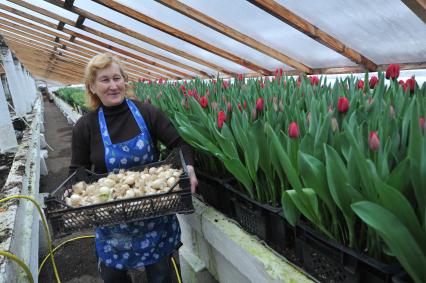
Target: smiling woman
(120, 133)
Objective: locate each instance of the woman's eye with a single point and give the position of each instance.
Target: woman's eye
(117, 78)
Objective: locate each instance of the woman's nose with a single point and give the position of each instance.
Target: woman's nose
(113, 84)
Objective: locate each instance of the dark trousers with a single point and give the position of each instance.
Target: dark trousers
(160, 272)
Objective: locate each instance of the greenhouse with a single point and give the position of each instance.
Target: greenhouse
(212, 141)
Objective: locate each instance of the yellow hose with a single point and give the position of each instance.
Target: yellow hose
(20, 263)
(46, 228)
(60, 245)
(177, 271)
(49, 242)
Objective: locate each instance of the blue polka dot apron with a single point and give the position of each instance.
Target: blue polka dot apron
(135, 244)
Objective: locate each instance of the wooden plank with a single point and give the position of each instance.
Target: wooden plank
(150, 53)
(234, 34)
(138, 16)
(285, 15)
(418, 7)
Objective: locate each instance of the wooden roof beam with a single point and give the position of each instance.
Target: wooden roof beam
(42, 49)
(42, 65)
(106, 36)
(23, 55)
(88, 49)
(418, 7)
(129, 54)
(49, 39)
(234, 34)
(138, 16)
(312, 31)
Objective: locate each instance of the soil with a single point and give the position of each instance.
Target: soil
(6, 161)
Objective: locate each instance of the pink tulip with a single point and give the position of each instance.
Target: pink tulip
(293, 130)
(374, 141)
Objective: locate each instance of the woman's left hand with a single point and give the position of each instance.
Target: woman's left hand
(192, 178)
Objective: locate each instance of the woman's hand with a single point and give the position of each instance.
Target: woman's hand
(192, 178)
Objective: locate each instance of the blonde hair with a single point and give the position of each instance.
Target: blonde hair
(99, 62)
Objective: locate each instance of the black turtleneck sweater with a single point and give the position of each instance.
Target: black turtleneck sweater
(87, 145)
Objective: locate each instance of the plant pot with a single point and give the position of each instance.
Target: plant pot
(329, 261)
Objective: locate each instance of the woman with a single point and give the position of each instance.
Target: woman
(122, 133)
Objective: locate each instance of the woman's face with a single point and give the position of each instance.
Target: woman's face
(109, 85)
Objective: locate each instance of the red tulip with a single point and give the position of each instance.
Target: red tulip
(182, 89)
(422, 123)
(343, 105)
(403, 84)
(410, 84)
(392, 72)
(360, 84)
(239, 107)
(225, 85)
(229, 107)
(240, 77)
(262, 85)
(245, 104)
(278, 72)
(374, 141)
(141, 80)
(204, 102)
(259, 104)
(373, 81)
(293, 130)
(314, 80)
(221, 117)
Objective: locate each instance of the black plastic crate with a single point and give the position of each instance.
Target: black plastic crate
(65, 219)
(215, 193)
(329, 261)
(262, 220)
(402, 277)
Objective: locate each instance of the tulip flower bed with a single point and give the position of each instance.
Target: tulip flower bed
(74, 96)
(347, 159)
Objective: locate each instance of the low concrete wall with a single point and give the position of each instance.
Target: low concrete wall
(215, 249)
(69, 113)
(19, 220)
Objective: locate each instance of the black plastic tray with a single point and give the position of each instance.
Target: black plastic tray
(329, 261)
(262, 220)
(65, 219)
(215, 193)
